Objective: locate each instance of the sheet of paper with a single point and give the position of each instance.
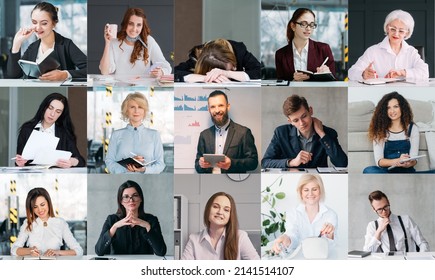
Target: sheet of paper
(39, 141)
(49, 157)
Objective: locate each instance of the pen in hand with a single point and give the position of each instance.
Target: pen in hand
(326, 60)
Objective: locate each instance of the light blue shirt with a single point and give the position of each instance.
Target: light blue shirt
(141, 141)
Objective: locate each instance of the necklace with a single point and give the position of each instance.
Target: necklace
(45, 224)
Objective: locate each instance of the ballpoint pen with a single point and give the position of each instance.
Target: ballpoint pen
(326, 59)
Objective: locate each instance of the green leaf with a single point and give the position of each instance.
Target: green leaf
(274, 228)
(273, 214)
(280, 182)
(280, 195)
(273, 202)
(265, 198)
(268, 189)
(266, 222)
(282, 228)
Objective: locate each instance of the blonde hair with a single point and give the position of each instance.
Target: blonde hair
(308, 178)
(139, 98)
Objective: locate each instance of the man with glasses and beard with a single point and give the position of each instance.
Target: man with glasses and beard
(226, 137)
(392, 232)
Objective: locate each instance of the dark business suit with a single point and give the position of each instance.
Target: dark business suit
(69, 56)
(317, 53)
(131, 240)
(239, 147)
(246, 61)
(285, 146)
(66, 143)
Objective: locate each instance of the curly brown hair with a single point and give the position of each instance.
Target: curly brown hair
(380, 122)
(138, 47)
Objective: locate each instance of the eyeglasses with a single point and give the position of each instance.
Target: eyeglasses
(305, 24)
(380, 210)
(126, 198)
(394, 30)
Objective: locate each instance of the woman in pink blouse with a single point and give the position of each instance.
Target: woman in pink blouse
(221, 239)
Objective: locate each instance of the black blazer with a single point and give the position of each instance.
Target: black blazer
(285, 145)
(131, 240)
(66, 143)
(246, 61)
(70, 57)
(239, 147)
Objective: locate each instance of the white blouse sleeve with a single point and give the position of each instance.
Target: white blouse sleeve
(157, 57)
(69, 239)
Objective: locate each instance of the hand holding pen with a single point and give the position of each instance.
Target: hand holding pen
(327, 230)
(370, 72)
(323, 68)
(19, 160)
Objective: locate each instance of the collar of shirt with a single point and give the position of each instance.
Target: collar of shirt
(385, 44)
(49, 130)
(300, 60)
(302, 138)
(139, 128)
(322, 209)
(224, 127)
(40, 222)
(42, 55)
(206, 236)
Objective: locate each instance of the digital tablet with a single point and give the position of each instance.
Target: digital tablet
(214, 158)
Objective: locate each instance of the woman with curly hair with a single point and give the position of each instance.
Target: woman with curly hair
(133, 51)
(395, 136)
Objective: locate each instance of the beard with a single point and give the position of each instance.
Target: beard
(222, 121)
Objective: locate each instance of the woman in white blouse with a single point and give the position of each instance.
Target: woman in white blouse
(311, 218)
(133, 51)
(393, 57)
(42, 232)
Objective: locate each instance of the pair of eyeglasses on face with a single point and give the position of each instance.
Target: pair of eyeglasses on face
(394, 30)
(305, 24)
(126, 198)
(380, 210)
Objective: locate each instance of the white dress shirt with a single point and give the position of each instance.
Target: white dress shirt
(298, 226)
(300, 60)
(385, 60)
(199, 247)
(413, 234)
(47, 237)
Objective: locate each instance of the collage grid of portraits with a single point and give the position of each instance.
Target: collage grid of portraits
(198, 147)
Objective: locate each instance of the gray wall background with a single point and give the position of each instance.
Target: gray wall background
(158, 200)
(159, 15)
(329, 105)
(408, 194)
(199, 188)
(366, 21)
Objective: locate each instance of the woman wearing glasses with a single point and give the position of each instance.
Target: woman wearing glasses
(393, 57)
(302, 53)
(131, 230)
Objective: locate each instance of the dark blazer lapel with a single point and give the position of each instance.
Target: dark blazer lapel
(289, 58)
(230, 135)
(211, 141)
(311, 60)
(60, 50)
(294, 140)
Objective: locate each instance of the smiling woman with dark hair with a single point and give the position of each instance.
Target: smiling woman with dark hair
(73, 62)
(52, 117)
(131, 230)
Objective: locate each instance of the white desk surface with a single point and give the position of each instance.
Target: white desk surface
(401, 256)
(89, 257)
(318, 84)
(253, 83)
(296, 171)
(27, 83)
(335, 253)
(24, 170)
(425, 83)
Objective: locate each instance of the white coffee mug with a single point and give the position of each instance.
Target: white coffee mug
(112, 29)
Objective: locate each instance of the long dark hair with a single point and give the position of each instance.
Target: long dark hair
(64, 119)
(138, 47)
(296, 15)
(30, 203)
(380, 122)
(231, 246)
(121, 209)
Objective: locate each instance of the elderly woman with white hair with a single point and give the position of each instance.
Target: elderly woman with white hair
(311, 218)
(393, 57)
(135, 140)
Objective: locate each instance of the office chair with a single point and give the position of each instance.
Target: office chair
(420, 50)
